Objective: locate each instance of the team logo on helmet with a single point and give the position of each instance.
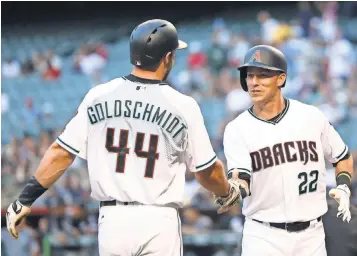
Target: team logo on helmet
(255, 57)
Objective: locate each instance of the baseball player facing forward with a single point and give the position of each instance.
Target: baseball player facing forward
(139, 136)
(276, 149)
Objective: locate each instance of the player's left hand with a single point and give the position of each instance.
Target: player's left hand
(342, 195)
(14, 215)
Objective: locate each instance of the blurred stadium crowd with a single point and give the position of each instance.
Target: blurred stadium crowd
(322, 70)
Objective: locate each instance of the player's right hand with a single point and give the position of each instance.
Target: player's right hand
(342, 195)
(235, 194)
(14, 215)
(234, 197)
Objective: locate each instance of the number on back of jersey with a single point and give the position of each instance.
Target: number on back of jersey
(122, 150)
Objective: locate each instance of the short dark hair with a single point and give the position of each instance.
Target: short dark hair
(154, 67)
(151, 68)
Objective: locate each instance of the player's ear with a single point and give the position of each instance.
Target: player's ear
(281, 79)
(167, 57)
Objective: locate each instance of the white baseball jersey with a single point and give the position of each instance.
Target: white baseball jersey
(139, 137)
(285, 159)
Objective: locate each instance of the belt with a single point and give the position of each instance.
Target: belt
(114, 202)
(292, 226)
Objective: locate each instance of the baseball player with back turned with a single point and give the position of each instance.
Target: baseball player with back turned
(275, 150)
(139, 136)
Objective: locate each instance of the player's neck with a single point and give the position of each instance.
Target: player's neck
(146, 74)
(269, 109)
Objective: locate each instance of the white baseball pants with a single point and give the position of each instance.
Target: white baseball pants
(260, 239)
(134, 230)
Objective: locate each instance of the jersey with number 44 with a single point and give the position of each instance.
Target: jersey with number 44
(138, 139)
(286, 161)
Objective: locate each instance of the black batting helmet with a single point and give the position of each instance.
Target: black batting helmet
(262, 56)
(151, 40)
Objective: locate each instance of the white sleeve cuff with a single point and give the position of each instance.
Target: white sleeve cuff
(342, 155)
(207, 164)
(67, 147)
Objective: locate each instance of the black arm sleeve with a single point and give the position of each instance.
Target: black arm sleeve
(31, 192)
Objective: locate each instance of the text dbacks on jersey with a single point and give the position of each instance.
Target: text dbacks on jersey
(284, 152)
(138, 110)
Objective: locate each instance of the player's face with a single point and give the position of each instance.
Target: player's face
(263, 84)
(168, 64)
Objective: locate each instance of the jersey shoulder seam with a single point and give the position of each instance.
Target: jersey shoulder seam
(240, 118)
(103, 88)
(187, 98)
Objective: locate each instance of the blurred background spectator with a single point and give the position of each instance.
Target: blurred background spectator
(4, 103)
(49, 65)
(90, 60)
(11, 68)
(268, 27)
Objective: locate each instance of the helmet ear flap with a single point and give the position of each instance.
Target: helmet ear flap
(243, 76)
